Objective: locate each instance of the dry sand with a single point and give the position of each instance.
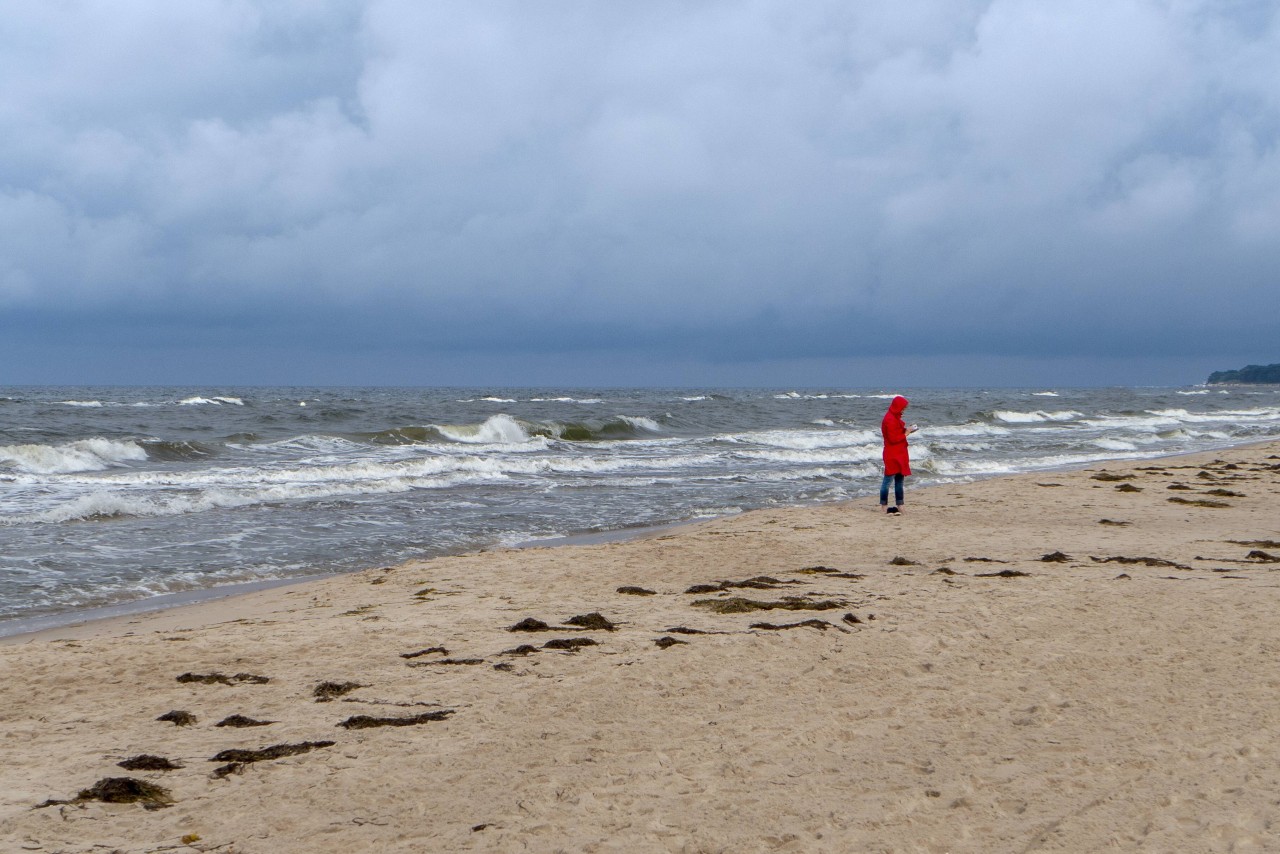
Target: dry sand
(1081, 704)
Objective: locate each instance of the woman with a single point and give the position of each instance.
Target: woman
(897, 464)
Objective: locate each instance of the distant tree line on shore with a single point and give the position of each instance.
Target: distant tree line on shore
(1247, 374)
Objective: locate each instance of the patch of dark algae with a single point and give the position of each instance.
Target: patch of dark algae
(120, 790)
(668, 642)
(369, 722)
(223, 679)
(242, 721)
(326, 691)
(568, 644)
(594, 622)
(177, 717)
(636, 591)
(821, 625)
(237, 758)
(147, 762)
(740, 605)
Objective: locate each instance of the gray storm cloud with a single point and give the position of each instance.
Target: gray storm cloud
(746, 180)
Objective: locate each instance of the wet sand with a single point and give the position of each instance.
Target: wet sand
(1066, 661)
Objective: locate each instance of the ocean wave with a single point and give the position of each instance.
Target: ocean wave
(805, 439)
(84, 404)
(1039, 416)
(795, 395)
(177, 451)
(1044, 394)
(215, 401)
(973, 428)
(83, 455)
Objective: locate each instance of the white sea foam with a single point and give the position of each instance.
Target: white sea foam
(215, 401)
(641, 423)
(80, 456)
(1197, 391)
(805, 439)
(1037, 417)
(973, 428)
(1044, 394)
(496, 430)
(86, 404)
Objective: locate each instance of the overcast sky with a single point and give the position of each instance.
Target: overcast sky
(760, 192)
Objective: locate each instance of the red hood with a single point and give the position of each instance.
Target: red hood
(899, 403)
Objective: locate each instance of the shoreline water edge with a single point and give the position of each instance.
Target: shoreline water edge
(119, 498)
(20, 630)
(1077, 659)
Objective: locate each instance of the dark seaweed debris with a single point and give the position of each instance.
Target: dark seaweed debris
(594, 622)
(127, 790)
(326, 691)
(1145, 561)
(522, 649)
(178, 718)
(821, 625)
(739, 605)
(568, 644)
(120, 790)
(1109, 477)
(242, 721)
(1055, 557)
(147, 762)
(369, 722)
(1004, 573)
(1128, 487)
(1198, 502)
(459, 661)
(760, 582)
(636, 591)
(429, 651)
(668, 642)
(903, 561)
(529, 624)
(237, 758)
(223, 679)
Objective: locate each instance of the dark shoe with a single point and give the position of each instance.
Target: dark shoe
(891, 510)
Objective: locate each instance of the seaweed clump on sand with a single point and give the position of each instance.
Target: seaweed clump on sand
(1198, 502)
(369, 721)
(1144, 561)
(178, 717)
(636, 591)
(741, 605)
(759, 582)
(1055, 557)
(223, 679)
(668, 642)
(1004, 573)
(237, 758)
(903, 561)
(568, 644)
(433, 650)
(147, 762)
(529, 624)
(326, 691)
(242, 721)
(120, 790)
(595, 622)
(821, 625)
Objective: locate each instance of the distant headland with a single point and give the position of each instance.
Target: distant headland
(1249, 374)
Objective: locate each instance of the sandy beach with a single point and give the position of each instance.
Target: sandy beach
(1061, 661)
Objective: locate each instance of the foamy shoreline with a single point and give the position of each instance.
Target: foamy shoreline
(1071, 660)
(20, 629)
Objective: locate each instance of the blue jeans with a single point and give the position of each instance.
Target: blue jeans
(897, 489)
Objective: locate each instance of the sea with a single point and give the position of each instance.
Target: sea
(112, 496)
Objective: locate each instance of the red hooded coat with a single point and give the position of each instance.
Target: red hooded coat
(894, 431)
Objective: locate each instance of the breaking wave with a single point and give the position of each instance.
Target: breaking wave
(81, 455)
